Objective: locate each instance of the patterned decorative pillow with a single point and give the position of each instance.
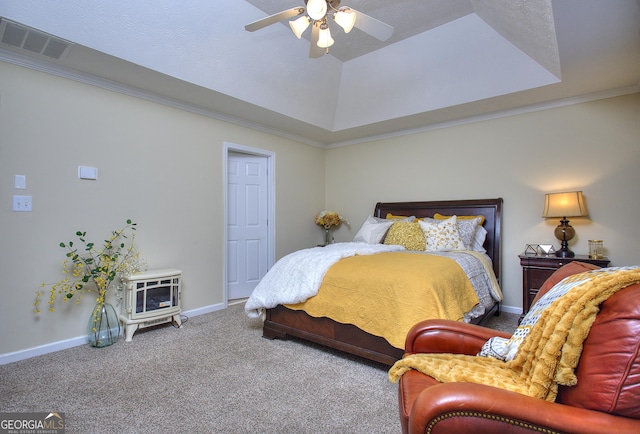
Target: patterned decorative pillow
(442, 235)
(467, 226)
(406, 234)
(372, 230)
(467, 229)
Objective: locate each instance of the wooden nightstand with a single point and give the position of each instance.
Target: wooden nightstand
(537, 269)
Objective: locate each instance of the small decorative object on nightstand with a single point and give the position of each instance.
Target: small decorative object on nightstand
(537, 269)
(596, 250)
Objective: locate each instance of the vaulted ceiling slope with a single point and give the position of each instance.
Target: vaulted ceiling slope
(448, 61)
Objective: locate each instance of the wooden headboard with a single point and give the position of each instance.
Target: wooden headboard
(491, 209)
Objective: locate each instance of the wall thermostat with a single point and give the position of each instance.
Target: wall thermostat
(86, 172)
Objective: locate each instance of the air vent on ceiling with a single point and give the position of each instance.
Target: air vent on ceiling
(19, 36)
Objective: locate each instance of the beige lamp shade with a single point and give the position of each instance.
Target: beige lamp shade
(568, 204)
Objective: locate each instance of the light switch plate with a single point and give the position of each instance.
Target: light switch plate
(22, 203)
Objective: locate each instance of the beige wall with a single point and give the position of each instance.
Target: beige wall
(159, 166)
(162, 167)
(593, 147)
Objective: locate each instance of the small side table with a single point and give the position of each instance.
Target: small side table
(536, 269)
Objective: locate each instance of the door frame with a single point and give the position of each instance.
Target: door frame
(271, 204)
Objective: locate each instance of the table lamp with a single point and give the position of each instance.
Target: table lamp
(563, 205)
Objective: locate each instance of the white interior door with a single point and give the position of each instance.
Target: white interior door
(247, 223)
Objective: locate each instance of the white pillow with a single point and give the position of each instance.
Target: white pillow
(477, 243)
(372, 230)
(441, 235)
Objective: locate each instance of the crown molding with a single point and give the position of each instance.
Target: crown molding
(49, 67)
(609, 93)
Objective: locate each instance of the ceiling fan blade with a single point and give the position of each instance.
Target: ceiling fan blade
(275, 18)
(314, 50)
(372, 26)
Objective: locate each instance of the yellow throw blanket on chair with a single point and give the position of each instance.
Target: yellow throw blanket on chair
(550, 352)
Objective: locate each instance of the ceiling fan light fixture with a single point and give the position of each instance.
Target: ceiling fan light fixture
(316, 13)
(317, 9)
(324, 37)
(345, 18)
(300, 25)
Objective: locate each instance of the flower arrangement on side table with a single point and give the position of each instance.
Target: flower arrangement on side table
(95, 270)
(329, 219)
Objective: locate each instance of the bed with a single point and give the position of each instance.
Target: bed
(282, 322)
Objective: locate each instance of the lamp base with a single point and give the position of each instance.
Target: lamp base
(565, 253)
(564, 232)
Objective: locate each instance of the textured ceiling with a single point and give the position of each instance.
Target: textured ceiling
(527, 24)
(424, 15)
(447, 61)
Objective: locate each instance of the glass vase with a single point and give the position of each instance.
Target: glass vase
(104, 326)
(327, 236)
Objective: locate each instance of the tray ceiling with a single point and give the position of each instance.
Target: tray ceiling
(448, 61)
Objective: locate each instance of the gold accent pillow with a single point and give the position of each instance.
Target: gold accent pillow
(406, 234)
(442, 235)
(439, 216)
(400, 217)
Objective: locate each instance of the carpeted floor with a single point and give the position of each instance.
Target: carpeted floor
(506, 322)
(215, 374)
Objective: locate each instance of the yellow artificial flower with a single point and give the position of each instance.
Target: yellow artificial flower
(328, 219)
(91, 270)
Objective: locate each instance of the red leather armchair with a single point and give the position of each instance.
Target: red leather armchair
(606, 398)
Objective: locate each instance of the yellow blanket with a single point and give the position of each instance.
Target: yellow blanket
(549, 353)
(396, 290)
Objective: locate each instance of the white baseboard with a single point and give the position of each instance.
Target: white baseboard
(82, 340)
(511, 309)
(204, 310)
(42, 349)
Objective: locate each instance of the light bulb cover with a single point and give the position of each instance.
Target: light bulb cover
(324, 37)
(345, 18)
(317, 9)
(300, 25)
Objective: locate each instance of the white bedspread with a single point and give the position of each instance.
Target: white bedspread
(298, 276)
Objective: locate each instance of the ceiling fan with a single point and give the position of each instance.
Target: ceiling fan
(317, 15)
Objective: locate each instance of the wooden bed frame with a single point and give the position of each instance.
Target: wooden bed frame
(282, 322)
